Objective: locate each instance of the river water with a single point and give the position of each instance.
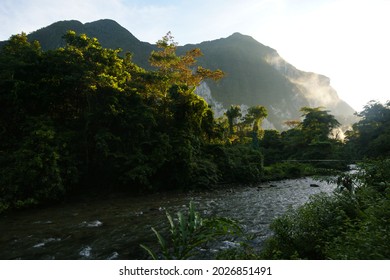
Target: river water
(113, 227)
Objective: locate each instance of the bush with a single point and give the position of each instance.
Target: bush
(237, 163)
(304, 232)
(189, 232)
(286, 170)
(369, 238)
(351, 224)
(204, 173)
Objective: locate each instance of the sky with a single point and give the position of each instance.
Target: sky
(346, 40)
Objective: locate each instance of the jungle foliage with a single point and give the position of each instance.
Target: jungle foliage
(352, 223)
(82, 118)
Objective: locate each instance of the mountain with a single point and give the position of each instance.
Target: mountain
(110, 35)
(255, 73)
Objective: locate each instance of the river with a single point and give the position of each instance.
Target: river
(113, 227)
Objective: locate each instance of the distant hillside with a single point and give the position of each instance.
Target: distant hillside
(109, 32)
(250, 79)
(255, 73)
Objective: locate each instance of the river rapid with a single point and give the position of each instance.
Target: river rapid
(113, 227)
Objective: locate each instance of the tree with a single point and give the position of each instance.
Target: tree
(311, 137)
(173, 86)
(317, 124)
(292, 123)
(19, 60)
(179, 70)
(256, 114)
(184, 116)
(83, 118)
(232, 114)
(370, 137)
(272, 146)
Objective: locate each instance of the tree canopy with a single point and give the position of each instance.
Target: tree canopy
(82, 117)
(370, 137)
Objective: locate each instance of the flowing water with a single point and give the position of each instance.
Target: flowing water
(113, 228)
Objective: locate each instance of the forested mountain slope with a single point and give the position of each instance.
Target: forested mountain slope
(255, 73)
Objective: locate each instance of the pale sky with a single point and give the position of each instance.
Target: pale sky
(346, 40)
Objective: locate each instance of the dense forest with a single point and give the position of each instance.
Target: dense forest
(83, 118)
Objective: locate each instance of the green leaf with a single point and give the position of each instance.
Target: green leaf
(150, 252)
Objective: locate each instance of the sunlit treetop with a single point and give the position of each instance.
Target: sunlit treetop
(180, 69)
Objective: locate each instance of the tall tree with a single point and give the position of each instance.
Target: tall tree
(232, 114)
(255, 115)
(179, 70)
(370, 137)
(317, 124)
(186, 117)
(311, 137)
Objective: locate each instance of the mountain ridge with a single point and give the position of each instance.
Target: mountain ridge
(109, 33)
(255, 73)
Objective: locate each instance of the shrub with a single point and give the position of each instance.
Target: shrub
(304, 232)
(190, 232)
(286, 170)
(237, 163)
(349, 224)
(369, 238)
